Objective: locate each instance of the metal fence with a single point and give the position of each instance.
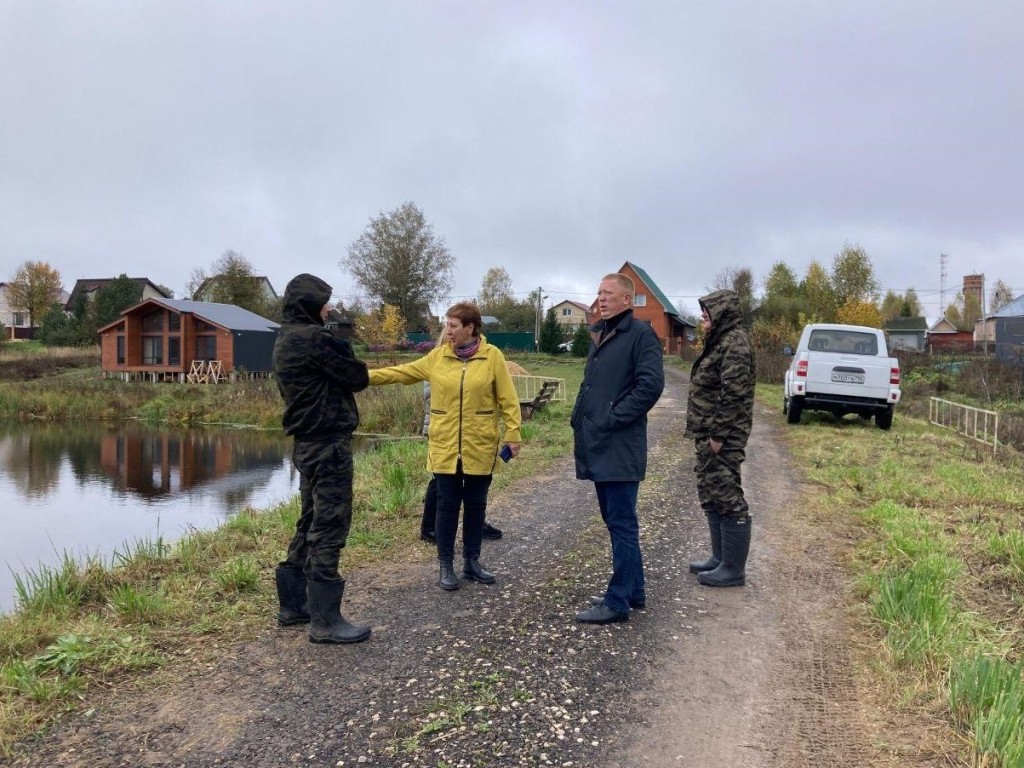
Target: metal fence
(527, 387)
(975, 423)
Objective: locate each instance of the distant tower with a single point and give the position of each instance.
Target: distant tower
(974, 297)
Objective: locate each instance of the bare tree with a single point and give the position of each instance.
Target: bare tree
(398, 260)
(1002, 294)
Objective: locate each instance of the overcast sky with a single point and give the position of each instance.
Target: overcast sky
(555, 139)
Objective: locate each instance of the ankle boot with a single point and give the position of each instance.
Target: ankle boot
(291, 596)
(715, 525)
(448, 580)
(473, 571)
(731, 572)
(327, 625)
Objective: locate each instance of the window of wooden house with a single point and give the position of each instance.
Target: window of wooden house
(120, 349)
(20, 319)
(152, 350)
(566, 312)
(173, 321)
(153, 321)
(206, 348)
(174, 350)
(204, 327)
(640, 300)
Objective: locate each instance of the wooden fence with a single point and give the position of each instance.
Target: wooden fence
(527, 387)
(975, 423)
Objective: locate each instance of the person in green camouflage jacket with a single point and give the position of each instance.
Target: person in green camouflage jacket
(719, 414)
(317, 375)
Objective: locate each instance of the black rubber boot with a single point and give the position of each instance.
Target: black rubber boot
(448, 580)
(735, 547)
(327, 625)
(473, 571)
(291, 595)
(715, 524)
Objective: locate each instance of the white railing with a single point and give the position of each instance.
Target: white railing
(975, 423)
(527, 387)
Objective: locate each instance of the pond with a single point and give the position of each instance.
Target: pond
(92, 489)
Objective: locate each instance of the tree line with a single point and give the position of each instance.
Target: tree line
(847, 293)
(404, 268)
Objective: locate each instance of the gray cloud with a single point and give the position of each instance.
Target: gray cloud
(554, 139)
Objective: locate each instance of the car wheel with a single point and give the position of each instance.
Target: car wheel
(883, 419)
(785, 405)
(795, 407)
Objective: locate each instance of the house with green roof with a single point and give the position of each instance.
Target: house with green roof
(906, 333)
(652, 306)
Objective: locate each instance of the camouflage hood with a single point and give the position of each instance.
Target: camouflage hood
(724, 309)
(304, 296)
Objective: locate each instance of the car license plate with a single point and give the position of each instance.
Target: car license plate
(847, 378)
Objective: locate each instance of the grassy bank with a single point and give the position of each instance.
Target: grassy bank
(82, 628)
(939, 569)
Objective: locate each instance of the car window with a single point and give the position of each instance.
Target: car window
(843, 342)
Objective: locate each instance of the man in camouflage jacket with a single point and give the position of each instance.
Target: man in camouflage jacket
(719, 413)
(317, 374)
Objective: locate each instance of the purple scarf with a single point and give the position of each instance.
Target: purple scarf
(466, 352)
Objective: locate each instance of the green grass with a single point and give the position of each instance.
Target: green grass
(939, 563)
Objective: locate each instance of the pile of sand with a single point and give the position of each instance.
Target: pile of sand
(515, 369)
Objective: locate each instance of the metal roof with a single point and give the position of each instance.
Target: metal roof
(225, 315)
(666, 305)
(906, 324)
(1014, 309)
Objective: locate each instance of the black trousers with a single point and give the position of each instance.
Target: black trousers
(325, 487)
(469, 492)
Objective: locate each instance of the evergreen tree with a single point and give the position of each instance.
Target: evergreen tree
(550, 334)
(581, 341)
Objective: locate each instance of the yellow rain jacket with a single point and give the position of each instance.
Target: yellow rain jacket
(468, 401)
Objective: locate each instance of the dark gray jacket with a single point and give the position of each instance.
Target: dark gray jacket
(720, 404)
(316, 371)
(623, 380)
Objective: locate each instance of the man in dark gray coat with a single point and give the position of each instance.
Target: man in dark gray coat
(317, 374)
(623, 380)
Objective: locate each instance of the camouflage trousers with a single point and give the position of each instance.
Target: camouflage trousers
(325, 486)
(718, 479)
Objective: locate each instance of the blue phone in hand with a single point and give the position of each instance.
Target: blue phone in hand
(506, 453)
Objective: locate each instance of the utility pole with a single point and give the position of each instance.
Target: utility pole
(536, 333)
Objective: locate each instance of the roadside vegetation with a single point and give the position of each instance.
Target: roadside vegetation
(84, 627)
(938, 568)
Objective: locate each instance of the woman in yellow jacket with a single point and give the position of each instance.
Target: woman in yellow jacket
(471, 394)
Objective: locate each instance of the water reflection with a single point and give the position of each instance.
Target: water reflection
(89, 489)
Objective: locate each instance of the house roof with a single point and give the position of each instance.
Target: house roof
(578, 305)
(906, 324)
(942, 325)
(661, 297)
(1014, 309)
(92, 285)
(208, 282)
(227, 316)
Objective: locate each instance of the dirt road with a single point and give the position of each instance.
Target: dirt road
(503, 676)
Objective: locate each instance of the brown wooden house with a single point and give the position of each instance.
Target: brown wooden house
(169, 339)
(652, 306)
(943, 336)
